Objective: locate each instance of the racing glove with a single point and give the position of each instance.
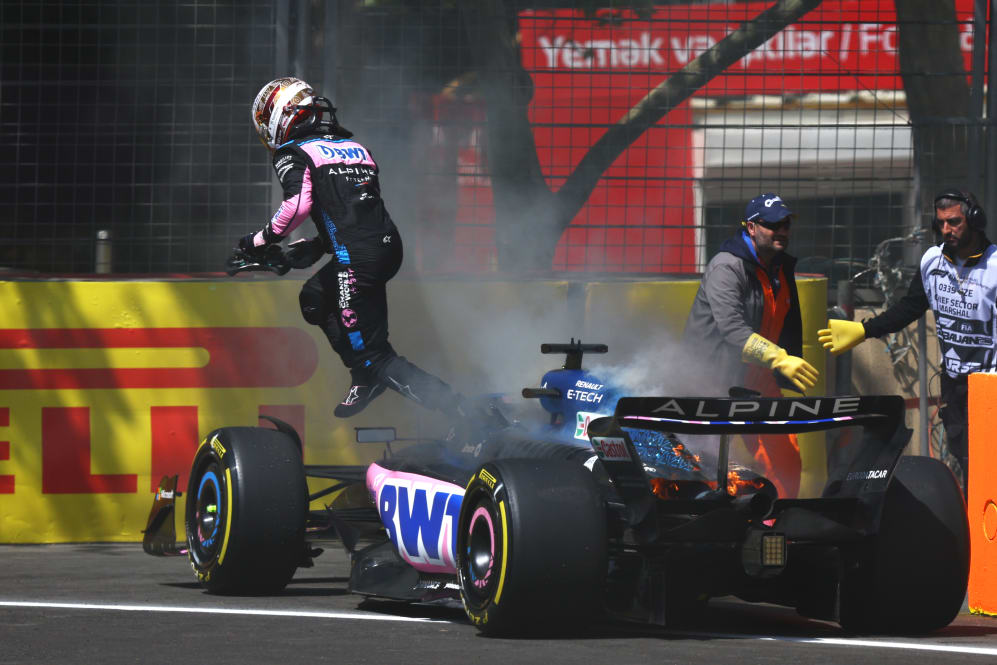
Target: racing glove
(841, 335)
(303, 253)
(760, 351)
(247, 247)
(265, 257)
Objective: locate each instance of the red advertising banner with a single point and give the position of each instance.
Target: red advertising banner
(850, 45)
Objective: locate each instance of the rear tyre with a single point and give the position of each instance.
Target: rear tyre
(531, 547)
(913, 578)
(247, 501)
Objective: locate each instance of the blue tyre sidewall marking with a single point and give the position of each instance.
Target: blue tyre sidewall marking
(210, 476)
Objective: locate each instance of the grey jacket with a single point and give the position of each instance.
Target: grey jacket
(728, 307)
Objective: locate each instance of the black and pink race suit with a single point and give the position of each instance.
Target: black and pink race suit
(335, 181)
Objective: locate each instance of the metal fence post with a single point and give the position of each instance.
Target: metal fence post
(102, 252)
(843, 361)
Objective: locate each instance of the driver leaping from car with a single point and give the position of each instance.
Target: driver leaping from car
(329, 177)
(746, 329)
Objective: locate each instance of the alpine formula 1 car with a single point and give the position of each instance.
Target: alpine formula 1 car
(625, 508)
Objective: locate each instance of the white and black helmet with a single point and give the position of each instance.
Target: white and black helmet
(287, 107)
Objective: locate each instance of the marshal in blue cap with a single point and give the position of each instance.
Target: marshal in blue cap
(767, 209)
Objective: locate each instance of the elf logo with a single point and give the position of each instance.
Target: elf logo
(582, 420)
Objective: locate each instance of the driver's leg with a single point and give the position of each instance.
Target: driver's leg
(418, 385)
(352, 312)
(349, 303)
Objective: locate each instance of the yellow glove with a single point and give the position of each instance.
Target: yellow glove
(760, 351)
(841, 335)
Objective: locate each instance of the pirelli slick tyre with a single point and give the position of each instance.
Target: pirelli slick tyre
(246, 507)
(913, 577)
(531, 547)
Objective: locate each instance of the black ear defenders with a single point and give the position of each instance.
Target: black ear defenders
(975, 217)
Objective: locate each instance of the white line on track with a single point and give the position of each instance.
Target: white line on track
(217, 610)
(834, 641)
(948, 648)
(851, 642)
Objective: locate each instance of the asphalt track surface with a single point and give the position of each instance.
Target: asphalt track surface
(111, 603)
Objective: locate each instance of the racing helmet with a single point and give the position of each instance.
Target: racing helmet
(284, 108)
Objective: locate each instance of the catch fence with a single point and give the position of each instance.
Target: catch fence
(513, 137)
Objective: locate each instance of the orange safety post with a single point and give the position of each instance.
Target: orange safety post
(982, 503)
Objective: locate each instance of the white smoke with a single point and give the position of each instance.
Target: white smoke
(660, 367)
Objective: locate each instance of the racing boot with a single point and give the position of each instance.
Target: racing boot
(415, 383)
(471, 417)
(364, 389)
(420, 386)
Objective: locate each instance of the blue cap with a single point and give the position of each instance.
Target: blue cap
(767, 209)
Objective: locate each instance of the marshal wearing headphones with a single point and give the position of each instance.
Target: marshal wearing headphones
(971, 210)
(958, 281)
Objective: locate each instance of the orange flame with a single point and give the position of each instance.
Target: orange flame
(736, 484)
(683, 453)
(665, 489)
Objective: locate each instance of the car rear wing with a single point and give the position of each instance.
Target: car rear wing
(863, 477)
(691, 415)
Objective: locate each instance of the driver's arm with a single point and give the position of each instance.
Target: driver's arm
(295, 179)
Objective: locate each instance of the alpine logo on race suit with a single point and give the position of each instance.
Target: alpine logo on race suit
(420, 515)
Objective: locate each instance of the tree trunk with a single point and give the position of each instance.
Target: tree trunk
(522, 200)
(931, 65)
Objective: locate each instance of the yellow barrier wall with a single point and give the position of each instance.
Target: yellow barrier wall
(105, 386)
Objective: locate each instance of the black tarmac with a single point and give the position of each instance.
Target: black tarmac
(111, 603)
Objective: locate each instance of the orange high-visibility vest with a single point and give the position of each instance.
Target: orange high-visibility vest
(774, 310)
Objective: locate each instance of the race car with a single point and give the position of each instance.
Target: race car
(608, 507)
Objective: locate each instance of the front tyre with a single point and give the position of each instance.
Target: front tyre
(247, 501)
(531, 547)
